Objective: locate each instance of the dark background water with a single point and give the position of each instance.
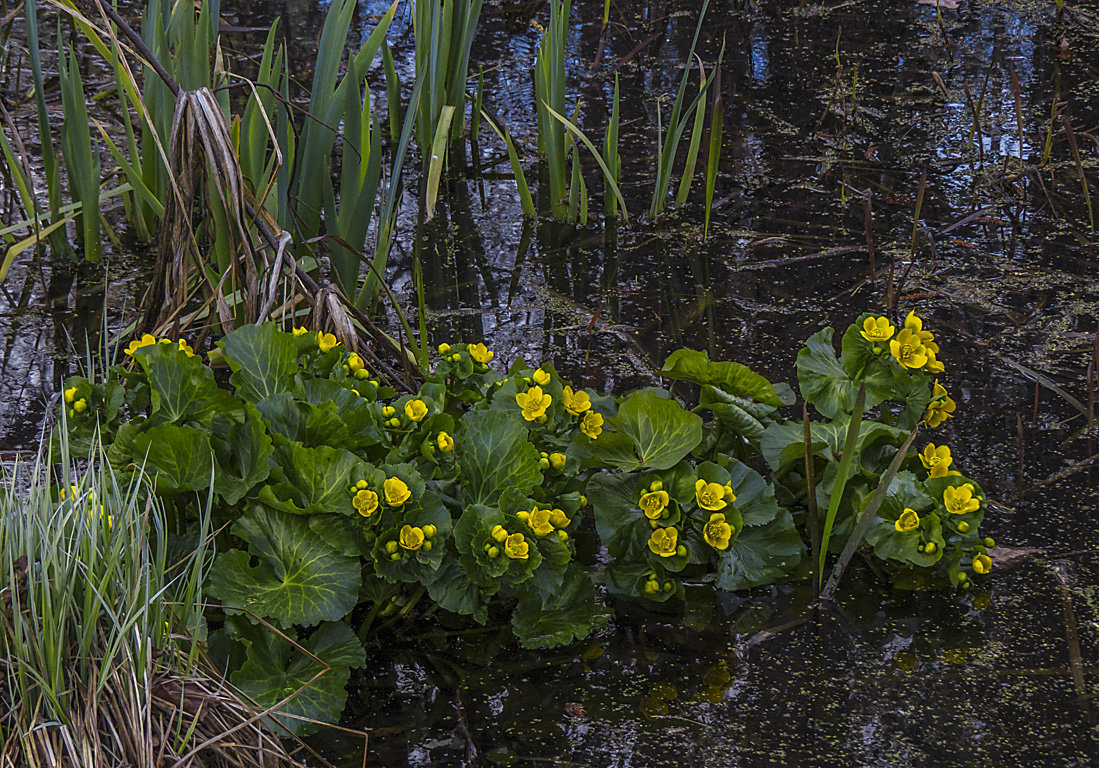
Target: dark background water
(822, 103)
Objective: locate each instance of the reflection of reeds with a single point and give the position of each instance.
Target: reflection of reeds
(549, 94)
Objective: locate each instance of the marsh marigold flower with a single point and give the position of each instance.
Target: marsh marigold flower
(877, 329)
(908, 349)
(327, 341)
(145, 341)
(534, 403)
(982, 564)
(539, 521)
(412, 537)
(366, 502)
(575, 402)
(908, 521)
(711, 496)
(297, 331)
(480, 353)
(415, 410)
(70, 395)
(663, 541)
(559, 519)
(541, 378)
(516, 547)
(653, 504)
(936, 460)
(445, 442)
(592, 425)
(396, 491)
(940, 408)
(717, 532)
(960, 500)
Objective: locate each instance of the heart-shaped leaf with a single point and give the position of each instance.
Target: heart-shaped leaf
(299, 579)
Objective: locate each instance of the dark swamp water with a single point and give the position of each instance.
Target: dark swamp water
(822, 104)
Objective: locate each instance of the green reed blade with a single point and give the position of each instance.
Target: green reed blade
(525, 198)
(843, 472)
(594, 153)
(713, 153)
(610, 152)
(392, 92)
(438, 160)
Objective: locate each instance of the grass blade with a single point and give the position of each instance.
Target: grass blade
(843, 472)
(438, 159)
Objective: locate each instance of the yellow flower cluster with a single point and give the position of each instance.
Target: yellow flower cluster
(356, 367)
(960, 500)
(913, 347)
(717, 532)
(534, 403)
(326, 341)
(714, 497)
(147, 340)
(543, 522)
(411, 538)
(396, 491)
(515, 545)
(555, 460)
(908, 521)
(364, 500)
(77, 404)
(936, 460)
(941, 407)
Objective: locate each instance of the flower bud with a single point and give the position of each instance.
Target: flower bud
(80, 405)
(430, 531)
(499, 534)
(493, 552)
(543, 419)
(543, 463)
(523, 515)
(395, 556)
(444, 348)
(391, 547)
(361, 485)
(455, 358)
(930, 548)
(990, 543)
(361, 374)
(669, 586)
(963, 526)
(562, 536)
(656, 485)
(653, 524)
(426, 546)
(681, 551)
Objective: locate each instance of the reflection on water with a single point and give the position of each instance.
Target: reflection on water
(832, 114)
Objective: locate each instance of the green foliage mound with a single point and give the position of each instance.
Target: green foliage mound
(344, 504)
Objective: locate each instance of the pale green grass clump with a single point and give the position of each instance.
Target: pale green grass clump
(100, 617)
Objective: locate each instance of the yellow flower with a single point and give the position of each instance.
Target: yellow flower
(366, 502)
(653, 504)
(960, 500)
(145, 341)
(412, 538)
(415, 410)
(908, 521)
(710, 496)
(516, 547)
(717, 532)
(326, 341)
(539, 521)
(576, 402)
(355, 363)
(480, 353)
(557, 461)
(70, 395)
(541, 378)
(299, 331)
(940, 408)
(982, 564)
(877, 329)
(445, 442)
(396, 491)
(592, 425)
(914, 323)
(444, 348)
(185, 348)
(533, 402)
(663, 541)
(558, 518)
(936, 460)
(908, 348)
